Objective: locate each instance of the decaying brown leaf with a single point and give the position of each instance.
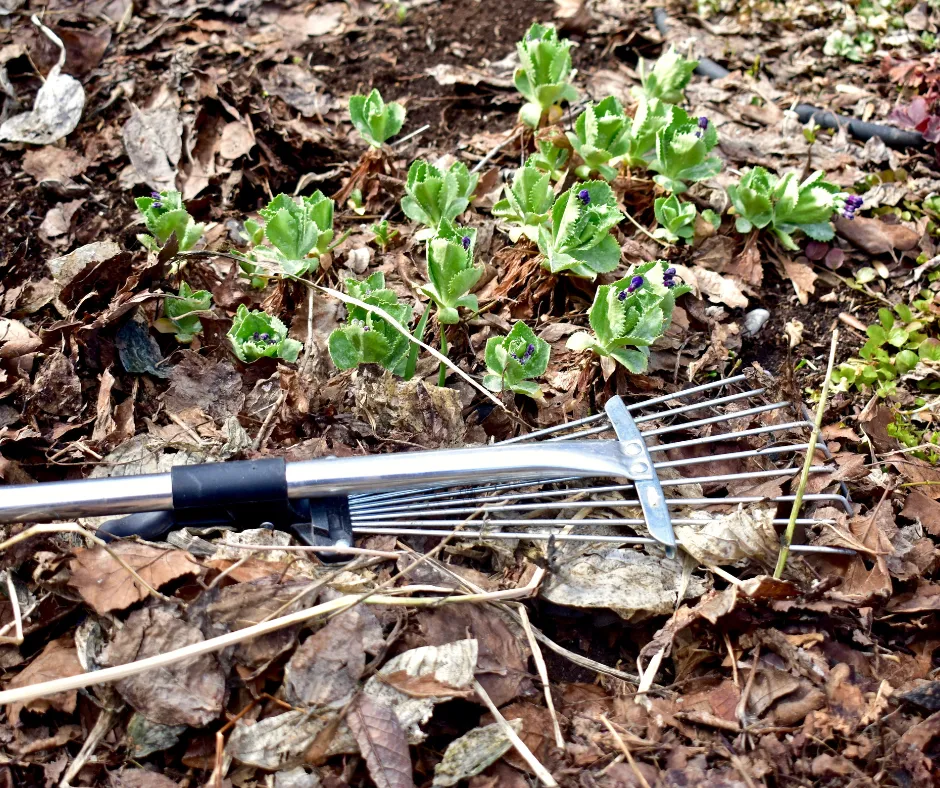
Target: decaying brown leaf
(58, 660)
(106, 585)
(382, 742)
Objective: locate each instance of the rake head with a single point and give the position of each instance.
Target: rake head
(692, 455)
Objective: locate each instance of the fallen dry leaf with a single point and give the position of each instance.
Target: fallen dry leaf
(382, 743)
(106, 585)
(802, 277)
(58, 660)
(875, 236)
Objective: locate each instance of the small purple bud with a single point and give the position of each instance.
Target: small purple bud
(622, 295)
(155, 195)
(465, 241)
(669, 273)
(265, 337)
(529, 351)
(585, 196)
(670, 283)
(256, 336)
(703, 123)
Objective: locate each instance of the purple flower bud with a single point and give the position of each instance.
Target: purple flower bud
(585, 196)
(669, 273)
(670, 283)
(703, 123)
(256, 336)
(635, 284)
(155, 195)
(465, 241)
(529, 351)
(265, 337)
(622, 295)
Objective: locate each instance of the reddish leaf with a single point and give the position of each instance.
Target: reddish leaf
(382, 742)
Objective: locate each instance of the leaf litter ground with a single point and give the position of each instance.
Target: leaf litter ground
(828, 677)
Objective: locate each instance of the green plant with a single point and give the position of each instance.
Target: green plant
(922, 442)
(432, 195)
(676, 219)
(165, 216)
(578, 240)
(682, 152)
(451, 271)
(255, 334)
(601, 138)
(355, 202)
(375, 120)
(542, 78)
(528, 202)
(298, 233)
(551, 158)
(383, 233)
(651, 116)
(629, 315)
(895, 347)
(840, 43)
(761, 199)
(182, 311)
(667, 79)
(367, 338)
(512, 360)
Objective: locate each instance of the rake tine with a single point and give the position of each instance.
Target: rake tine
(412, 525)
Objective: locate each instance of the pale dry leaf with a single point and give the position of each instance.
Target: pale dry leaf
(717, 288)
(153, 139)
(183, 693)
(382, 742)
(106, 585)
(237, 140)
(473, 752)
(422, 686)
(725, 539)
(631, 584)
(802, 277)
(793, 331)
(278, 742)
(58, 660)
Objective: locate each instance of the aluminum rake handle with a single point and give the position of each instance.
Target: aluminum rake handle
(253, 481)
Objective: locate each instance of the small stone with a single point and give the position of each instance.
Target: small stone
(754, 321)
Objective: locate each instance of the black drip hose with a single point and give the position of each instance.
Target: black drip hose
(891, 136)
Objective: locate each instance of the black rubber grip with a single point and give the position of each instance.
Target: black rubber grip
(146, 525)
(229, 484)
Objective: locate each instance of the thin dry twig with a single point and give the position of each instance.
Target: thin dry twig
(543, 673)
(626, 751)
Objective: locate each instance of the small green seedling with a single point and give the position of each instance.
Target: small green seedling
(528, 202)
(375, 120)
(384, 234)
(578, 240)
(601, 138)
(451, 272)
(182, 311)
(513, 360)
(367, 338)
(551, 158)
(298, 232)
(432, 196)
(165, 216)
(355, 202)
(630, 315)
(667, 79)
(682, 152)
(784, 204)
(841, 44)
(676, 219)
(542, 77)
(651, 117)
(255, 334)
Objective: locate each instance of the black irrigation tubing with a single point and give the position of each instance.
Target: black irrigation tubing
(891, 136)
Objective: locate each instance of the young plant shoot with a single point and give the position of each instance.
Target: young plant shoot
(255, 334)
(254, 234)
(668, 78)
(182, 311)
(601, 138)
(551, 158)
(682, 152)
(367, 338)
(384, 234)
(451, 272)
(432, 195)
(542, 78)
(298, 232)
(630, 315)
(165, 216)
(784, 204)
(375, 120)
(578, 240)
(676, 219)
(527, 204)
(513, 360)
(651, 116)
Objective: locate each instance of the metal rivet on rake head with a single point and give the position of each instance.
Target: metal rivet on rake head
(639, 467)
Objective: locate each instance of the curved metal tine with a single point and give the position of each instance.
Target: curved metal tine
(409, 496)
(414, 526)
(459, 496)
(560, 537)
(662, 414)
(590, 504)
(734, 455)
(635, 406)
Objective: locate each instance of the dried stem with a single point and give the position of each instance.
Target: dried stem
(543, 673)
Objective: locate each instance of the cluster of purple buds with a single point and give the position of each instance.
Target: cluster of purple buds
(585, 196)
(635, 284)
(262, 337)
(529, 351)
(852, 203)
(669, 277)
(702, 126)
(465, 241)
(156, 200)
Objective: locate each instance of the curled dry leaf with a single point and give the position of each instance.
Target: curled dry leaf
(58, 660)
(630, 583)
(802, 277)
(717, 288)
(106, 585)
(726, 539)
(875, 236)
(279, 742)
(793, 331)
(472, 753)
(184, 693)
(382, 742)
